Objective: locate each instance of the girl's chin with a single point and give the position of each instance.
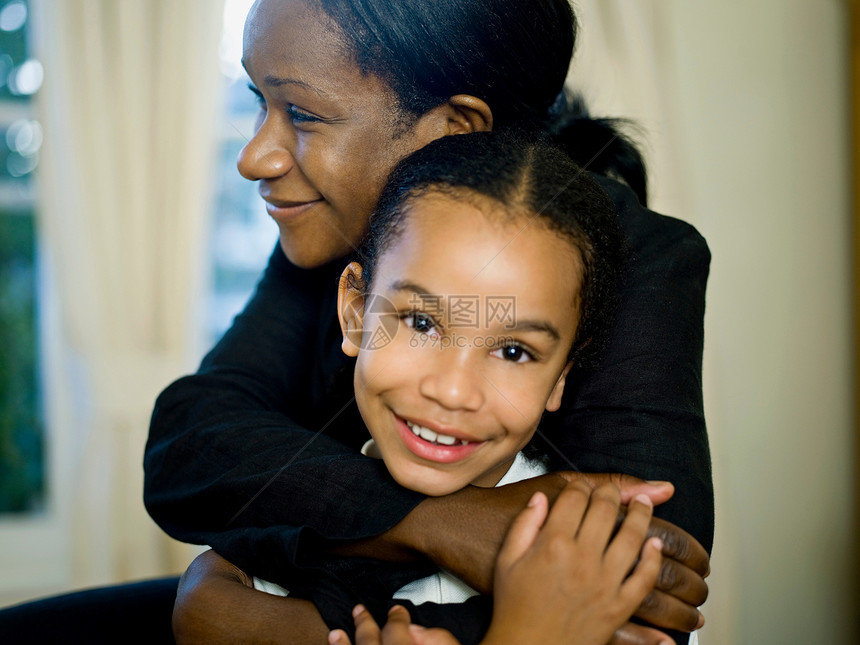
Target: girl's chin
(431, 486)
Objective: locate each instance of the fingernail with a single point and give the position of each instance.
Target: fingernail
(534, 500)
(657, 482)
(701, 622)
(335, 636)
(395, 608)
(657, 543)
(644, 499)
(357, 610)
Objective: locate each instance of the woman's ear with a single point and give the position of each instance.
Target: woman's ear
(554, 401)
(469, 114)
(461, 114)
(350, 308)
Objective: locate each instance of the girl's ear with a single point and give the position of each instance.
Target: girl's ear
(554, 401)
(460, 114)
(350, 308)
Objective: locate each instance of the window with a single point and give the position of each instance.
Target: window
(22, 486)
(243, 235)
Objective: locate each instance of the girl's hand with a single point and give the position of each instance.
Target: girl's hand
(397, 631)
(561, 579)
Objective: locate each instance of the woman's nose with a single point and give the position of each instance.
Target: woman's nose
(453, 382)
(265, 156)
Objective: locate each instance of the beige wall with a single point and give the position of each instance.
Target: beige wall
(745, 103)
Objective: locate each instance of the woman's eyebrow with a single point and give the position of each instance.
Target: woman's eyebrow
(277, 81)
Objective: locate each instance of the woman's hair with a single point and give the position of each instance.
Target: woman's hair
(525, 177)
(513, 54)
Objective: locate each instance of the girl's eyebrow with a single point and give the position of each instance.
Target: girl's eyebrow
(406, 285)
(535, 325)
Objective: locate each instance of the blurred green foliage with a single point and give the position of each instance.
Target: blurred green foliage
(21, 449)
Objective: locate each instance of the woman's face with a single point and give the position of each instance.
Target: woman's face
(327, 135)
(487, 310)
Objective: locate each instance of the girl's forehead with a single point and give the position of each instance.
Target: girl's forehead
(453, 209)
(476, 241)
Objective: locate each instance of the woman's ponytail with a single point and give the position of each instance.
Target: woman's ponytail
(600, 145)
(512, 54)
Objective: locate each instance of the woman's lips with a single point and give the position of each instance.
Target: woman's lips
(286, 211)
(438, 452)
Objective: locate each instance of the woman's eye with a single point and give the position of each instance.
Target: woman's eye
(420, 322)
(261, 102)
(297, 115)
(514, 354)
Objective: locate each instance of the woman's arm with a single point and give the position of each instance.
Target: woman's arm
(475, 521)
(559, 578)
(216, 604)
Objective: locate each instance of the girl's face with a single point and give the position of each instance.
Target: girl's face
(327, 135)
(487, 307)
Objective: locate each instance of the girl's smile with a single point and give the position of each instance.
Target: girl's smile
(435, 446)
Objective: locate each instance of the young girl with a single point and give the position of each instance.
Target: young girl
(488, 272)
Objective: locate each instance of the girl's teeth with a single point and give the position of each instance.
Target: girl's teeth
(427, 434)
(433, 437)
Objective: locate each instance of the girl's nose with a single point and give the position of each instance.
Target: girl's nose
(453, 382)
(265, 156)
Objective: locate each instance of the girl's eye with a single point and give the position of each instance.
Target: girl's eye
(514, 354)
(420, 322)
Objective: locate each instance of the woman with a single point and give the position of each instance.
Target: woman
(257, 454)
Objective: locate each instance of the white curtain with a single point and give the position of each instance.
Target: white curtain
(129, 108)
(626, 66)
